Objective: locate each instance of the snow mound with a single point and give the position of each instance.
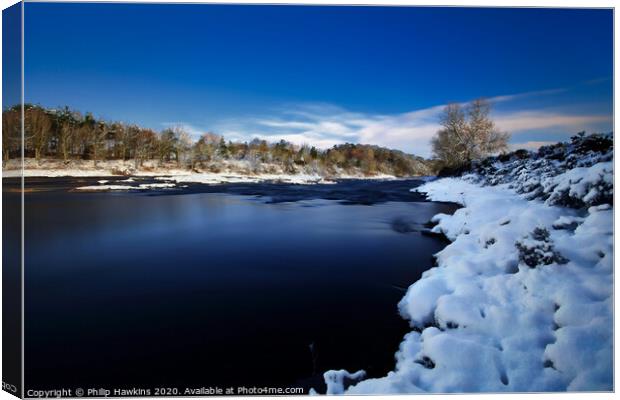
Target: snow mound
(335, 380)
(522, 299)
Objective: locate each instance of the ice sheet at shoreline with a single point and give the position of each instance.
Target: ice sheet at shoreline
(484, 322)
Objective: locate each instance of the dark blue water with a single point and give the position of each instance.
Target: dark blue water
(225, 285)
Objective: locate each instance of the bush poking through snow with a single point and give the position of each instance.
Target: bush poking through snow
(537, 249)
(426, 362)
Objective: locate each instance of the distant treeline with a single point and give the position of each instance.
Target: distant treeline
(66, 134)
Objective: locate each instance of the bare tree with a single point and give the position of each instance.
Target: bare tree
(122, 140)
(11, 132)
(144, 142)
(467, 134)
(66, 131)
(183, 145)
(38, 130)
(98, 141)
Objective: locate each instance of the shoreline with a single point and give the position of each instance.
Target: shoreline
(173, 177)
(224, 172)
(483, 321)
(522, 296)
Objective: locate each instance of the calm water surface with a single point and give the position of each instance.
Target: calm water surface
(229, 285)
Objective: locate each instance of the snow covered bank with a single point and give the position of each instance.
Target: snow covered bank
(522, 299)
(230, 171)
(233, 173)
(86, 168)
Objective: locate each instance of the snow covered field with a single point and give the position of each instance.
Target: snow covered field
(522, 299)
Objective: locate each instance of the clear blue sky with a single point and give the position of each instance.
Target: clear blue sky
(322, 74)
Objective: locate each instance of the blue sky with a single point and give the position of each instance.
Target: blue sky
(323, 75)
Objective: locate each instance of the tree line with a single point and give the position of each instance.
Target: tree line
(66, 135)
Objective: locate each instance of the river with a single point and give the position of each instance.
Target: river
(221, 285)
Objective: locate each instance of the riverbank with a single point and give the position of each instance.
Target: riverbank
(226, 171)
(239, 168)
(522, 299)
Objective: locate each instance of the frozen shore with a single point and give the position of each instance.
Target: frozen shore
(522, 299)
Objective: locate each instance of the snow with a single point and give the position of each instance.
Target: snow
(106, 188)
(522, 298)
(156, 185)
(143, 186)
(335, 379)
(218, 178)
(53, 173)
(233, 171)
(585, 184)
(82, 168)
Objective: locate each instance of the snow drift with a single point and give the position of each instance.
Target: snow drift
(522, 299)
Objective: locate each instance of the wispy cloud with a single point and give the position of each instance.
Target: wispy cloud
(510, 97)
(528, 120)
(324, 125)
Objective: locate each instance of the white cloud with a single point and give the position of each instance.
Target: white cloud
(509, 97)
(324, 125)
(528, 120)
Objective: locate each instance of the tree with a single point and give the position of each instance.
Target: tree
(83, 132)
(205, 147)
(98, 141)
(183, 145)
(222, 149)
(38, 129)
(368, 164)
(144, 142)
(467, 134)
(167, 144)
(66, 130)
(11, 132)
(122, 140)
